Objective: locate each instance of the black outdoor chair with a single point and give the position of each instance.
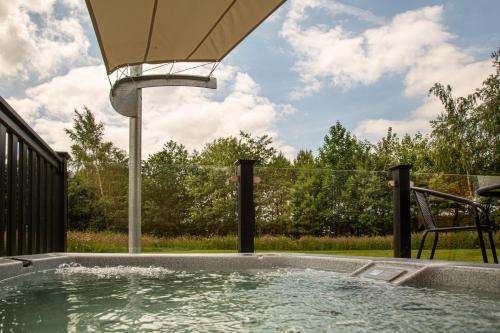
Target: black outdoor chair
(422, 194)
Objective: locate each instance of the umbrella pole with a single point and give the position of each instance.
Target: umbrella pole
(134, 173)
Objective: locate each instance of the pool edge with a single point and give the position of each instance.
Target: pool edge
(403, 272)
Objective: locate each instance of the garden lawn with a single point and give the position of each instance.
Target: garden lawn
(468, 255)
(454, 247)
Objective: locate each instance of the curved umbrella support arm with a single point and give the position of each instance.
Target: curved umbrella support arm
(124, 95)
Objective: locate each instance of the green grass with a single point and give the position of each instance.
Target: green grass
(458, 246)
(469, 255)
(185, 251)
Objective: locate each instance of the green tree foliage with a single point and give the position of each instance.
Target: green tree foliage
(343, 151)
(85, 212)
(166, 200)
(391, 151)
(348, 195)
(226, 151)
(305, 159)
(362, 205)
(272, 195)
(97, 192)
(90, 153)
(466, 136)
(213, 195)
(306, 195)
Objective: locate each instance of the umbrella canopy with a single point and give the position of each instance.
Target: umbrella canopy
(132, 32)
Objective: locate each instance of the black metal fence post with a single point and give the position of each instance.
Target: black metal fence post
(3, 188)
(401, 203)
(22, 199)
(12, 212)
(63, 201)
(246, 208)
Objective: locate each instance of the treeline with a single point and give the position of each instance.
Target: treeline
(341, 190)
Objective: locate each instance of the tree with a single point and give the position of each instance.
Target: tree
(99, 172)
(305, 196)
(305, 159)
(343, 151)
(84, 211)
(165, 196)
(385, 152)
(343, 156)
(214, 196)
(213, 201)
(466, 135)
(225, 151)
(391, 151)
(272, 195)
(416, 151)
(90, 153)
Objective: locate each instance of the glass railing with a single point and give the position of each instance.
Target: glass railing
(322, 202)
(193, 208)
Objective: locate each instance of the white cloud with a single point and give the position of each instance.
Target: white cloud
(374, 129)
(449, 65)
(415, 44)
(330, 54)
(191, 116)
(49, 107)
(37, 42)
(58, 97)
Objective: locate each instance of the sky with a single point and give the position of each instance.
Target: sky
(368, 64)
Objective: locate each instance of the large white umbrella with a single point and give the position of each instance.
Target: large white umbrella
(136, 32)
(133, 32)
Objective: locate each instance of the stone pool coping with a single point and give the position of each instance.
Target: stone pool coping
(406, 272)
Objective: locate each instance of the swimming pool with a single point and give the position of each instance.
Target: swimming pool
(259, 293)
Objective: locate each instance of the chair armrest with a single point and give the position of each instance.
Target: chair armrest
(447, 196)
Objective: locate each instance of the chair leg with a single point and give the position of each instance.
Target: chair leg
(480, 235)
(436, 237)
(481, 244)
(490, 236)
(492, 245)
(422, 244)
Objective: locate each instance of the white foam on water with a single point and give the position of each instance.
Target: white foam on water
(249, 321)
(350, 322)
(110, 272)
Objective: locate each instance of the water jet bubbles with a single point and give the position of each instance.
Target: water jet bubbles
(235, 277)
(69, 265)
(249, 321)
(113, 272)
(184, 274)
(353, 322)
(294, 329)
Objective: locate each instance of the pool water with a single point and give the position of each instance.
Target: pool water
(124, 299)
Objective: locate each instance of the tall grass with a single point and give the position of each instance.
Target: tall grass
(115, 242)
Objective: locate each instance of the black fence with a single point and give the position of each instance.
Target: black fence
(33, 190)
